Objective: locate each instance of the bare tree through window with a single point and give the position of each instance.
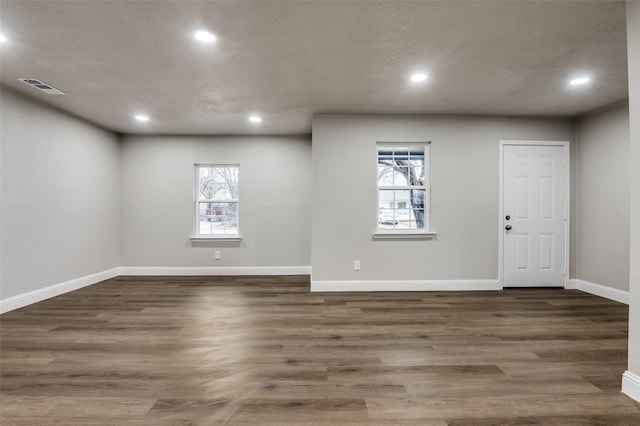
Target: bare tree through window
(216, 199)
(402, 191)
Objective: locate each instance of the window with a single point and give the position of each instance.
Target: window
(216, 200)
(403, 187)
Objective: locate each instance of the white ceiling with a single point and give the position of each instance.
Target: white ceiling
(290, 59)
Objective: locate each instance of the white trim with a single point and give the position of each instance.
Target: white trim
(197, 201)
(216, 270)
(404, 285)
(500, 212)
(24, 299)
(404, 235)
(599, 290)
(631, 385)
(221, 238)
(533, 142)
(377, 235)
(567, 202)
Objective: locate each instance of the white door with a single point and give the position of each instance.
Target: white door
(534, 215)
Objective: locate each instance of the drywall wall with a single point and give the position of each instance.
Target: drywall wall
(602, 197)
(465, 179)
(60, 197)
(158, 194)
(633, 48)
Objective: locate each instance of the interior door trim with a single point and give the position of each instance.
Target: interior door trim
(567, 202)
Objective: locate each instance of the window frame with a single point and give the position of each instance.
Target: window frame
(197, 201)
(408, 234)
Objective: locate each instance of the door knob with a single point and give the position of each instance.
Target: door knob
(508, 227)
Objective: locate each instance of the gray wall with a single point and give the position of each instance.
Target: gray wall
(157, 200)
(633, 47)
(60, 197)
(602, 197)
(465, 178)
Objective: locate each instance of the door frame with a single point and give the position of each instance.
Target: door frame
(567, 203)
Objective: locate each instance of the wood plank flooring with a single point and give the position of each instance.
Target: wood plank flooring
(265, 351)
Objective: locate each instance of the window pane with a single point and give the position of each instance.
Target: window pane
(385, 199)
(400, 153)
(410, 208)
(226, 181)
(416, 152)
(385, 154)
(218, 218)
(402, 170)
(417, 219)
(417, 173)
(386, 218)
(401, 173)
(402, 196)
(417, 197)
(205, 183)
(385, 174)
(401, 217)
(219, 183)
(401, 166)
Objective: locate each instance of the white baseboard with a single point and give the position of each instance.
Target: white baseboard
(599, 290)
(631, 385)
(217, 270)
(21, 300)
(405, 285)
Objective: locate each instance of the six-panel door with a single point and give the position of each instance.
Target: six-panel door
(534, 200)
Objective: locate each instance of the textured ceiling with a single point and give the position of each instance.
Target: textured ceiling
(290, 59)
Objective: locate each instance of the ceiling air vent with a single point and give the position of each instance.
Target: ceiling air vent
(46, 88)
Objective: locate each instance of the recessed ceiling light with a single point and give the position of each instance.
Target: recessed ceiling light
(579, 81)
(418, 77)
(2, 38)
(142, 117)
(255, 119)
(204, 36)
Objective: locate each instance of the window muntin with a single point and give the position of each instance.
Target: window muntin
(403, 187)
(216, 200)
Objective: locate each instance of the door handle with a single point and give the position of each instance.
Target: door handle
(508, 227)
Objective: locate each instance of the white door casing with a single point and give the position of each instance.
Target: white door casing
(534, 194)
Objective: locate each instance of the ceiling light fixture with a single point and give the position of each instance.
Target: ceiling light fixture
(204, 36)
(3, 38)
(255, 119)
(419, 77)
(579, 81)
(142, 117)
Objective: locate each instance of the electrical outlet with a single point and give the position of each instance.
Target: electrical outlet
(218, 255)
(356, 265)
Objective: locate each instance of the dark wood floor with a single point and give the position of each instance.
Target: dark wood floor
(263, 350)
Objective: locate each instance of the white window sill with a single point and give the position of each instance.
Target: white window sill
(404, 235)
(215, 238)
